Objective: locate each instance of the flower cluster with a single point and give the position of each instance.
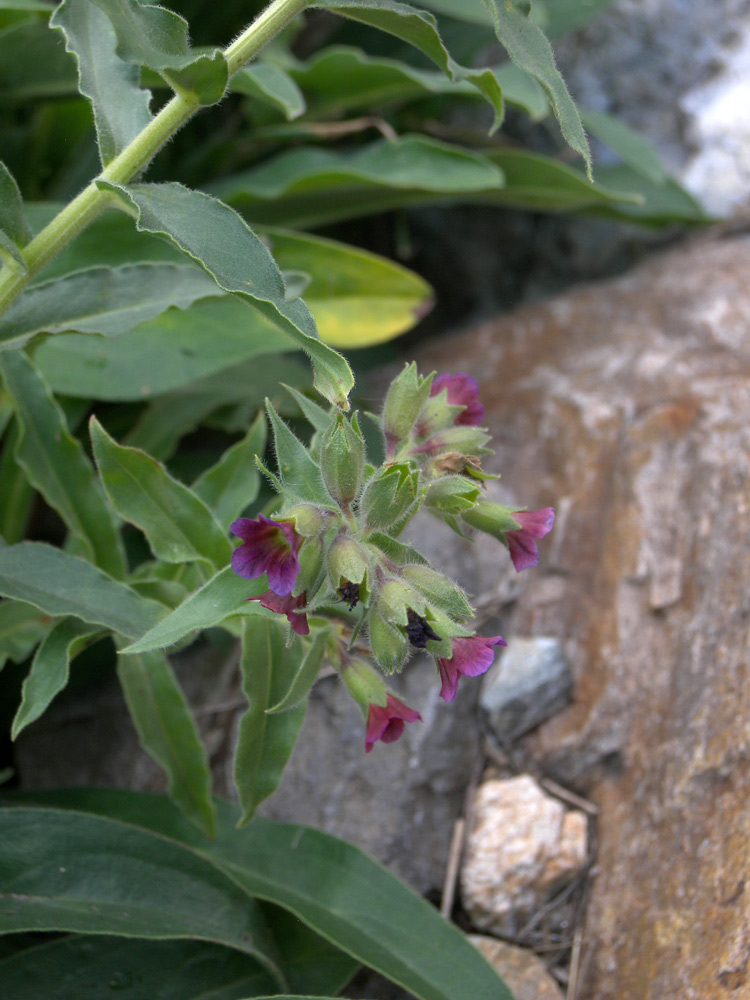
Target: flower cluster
(333, 559)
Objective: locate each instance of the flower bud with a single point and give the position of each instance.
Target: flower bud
(406, 396)
(309, 520)
(452, 495)
(389, 495)
(342, 459)
(388, 643)
(467, 440)
(348, 563)
(364, 684)
(438, 590)
(395, 599)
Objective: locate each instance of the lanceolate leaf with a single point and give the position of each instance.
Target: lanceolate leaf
(102, 300)
(61, 584)
(17, 494)
(299, 473)
(57, 466)
(115, 879)
(178, 525)
(22, 626)
(306, 674)
(268, 82)
(167, 731)
(215, 236)
(330, 885)
(224, 595)
(50, 670)
(265, 742)
(527, 46)
(14, 229)
(230, 485)
(632, 148)
(121, 108)
(418, 28)
(153, 36)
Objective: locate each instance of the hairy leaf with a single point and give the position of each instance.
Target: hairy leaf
(22, 626)
(14, 229)
(269, 83)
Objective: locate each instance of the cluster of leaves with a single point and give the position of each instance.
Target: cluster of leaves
(168, 313)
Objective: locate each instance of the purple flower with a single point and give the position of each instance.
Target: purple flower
(472, 656)
(386, 723)
(462, 390)
(270, 547)
(289, 606)
(522, 543)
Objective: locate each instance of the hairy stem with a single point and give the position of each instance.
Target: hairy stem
(91, 202)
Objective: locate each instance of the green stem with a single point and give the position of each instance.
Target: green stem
(136, 156)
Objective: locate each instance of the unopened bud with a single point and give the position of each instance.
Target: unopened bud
(388, 643)
(389, 495)
(493, 518)
(342, 459)
(438, 590)
(348, 564)
(452, 495)
(365, 685)
(407, 394)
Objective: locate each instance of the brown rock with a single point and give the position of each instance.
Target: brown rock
(627, 406)
(523, 972)
(522, 847)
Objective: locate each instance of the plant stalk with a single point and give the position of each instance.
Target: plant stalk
(136, 156)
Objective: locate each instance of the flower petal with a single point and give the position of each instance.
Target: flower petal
(268, 547)
(386, 722)
(472, 656)
(461, 390)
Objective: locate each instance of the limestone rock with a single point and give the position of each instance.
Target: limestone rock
(627, 407)
(528, 683)
(521, 969)
(523, 846)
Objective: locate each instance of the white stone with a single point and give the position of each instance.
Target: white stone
(523, 846)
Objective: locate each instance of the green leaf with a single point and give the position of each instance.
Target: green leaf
(115, 879)
(299, 473)
(221, 597)
(523, 90)
(46, 70)
(305, 675)
(543, 184)
(61, 584)
(311, 186)
(163, 355)
(330, 885)
(22, 626)
(56, 464)
(103, 300)
(50, 670)
(17, 494)
(269, 83)
(357, 298)
(14, 229)
(529, 49)
(153, 36)
(648, 203)
(233, 483)
(215, 236)
(178, 525)
(167, 731)
(419, 29)
(633, 149)
(265, 742)
(121, 108)
(96, 968)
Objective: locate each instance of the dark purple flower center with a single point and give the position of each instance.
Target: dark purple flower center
(419, 630)
(350, 594)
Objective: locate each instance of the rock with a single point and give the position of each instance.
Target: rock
(525, 975)
(523, 846)
(627, 406)
(529, 682)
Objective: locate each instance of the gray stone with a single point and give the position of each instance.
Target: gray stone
(523, 972)
(529, 682)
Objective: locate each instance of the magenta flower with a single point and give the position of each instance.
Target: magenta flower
(472, 656)
(462, 390)
(387, 723)
(522, 543)
(270, 547)
(286, 605)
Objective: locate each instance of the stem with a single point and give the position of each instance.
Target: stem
(136, 156)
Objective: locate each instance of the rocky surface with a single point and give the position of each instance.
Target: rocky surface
(627, 406)
(522, 848)
(521, 969)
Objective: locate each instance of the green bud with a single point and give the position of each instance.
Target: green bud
(438, 590)
(365, 685)
(492, 518)
(395, 598)
(348, 563)
(308, 519)
(407, 394)
(464, 439)
(389, 495)
(452, 495)
(388, 643)
(342, 459)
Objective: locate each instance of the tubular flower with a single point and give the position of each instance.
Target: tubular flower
(286, 605)
(387, 722)
(269, 547)
(462, 390)
(522, 543)
(472, 656)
